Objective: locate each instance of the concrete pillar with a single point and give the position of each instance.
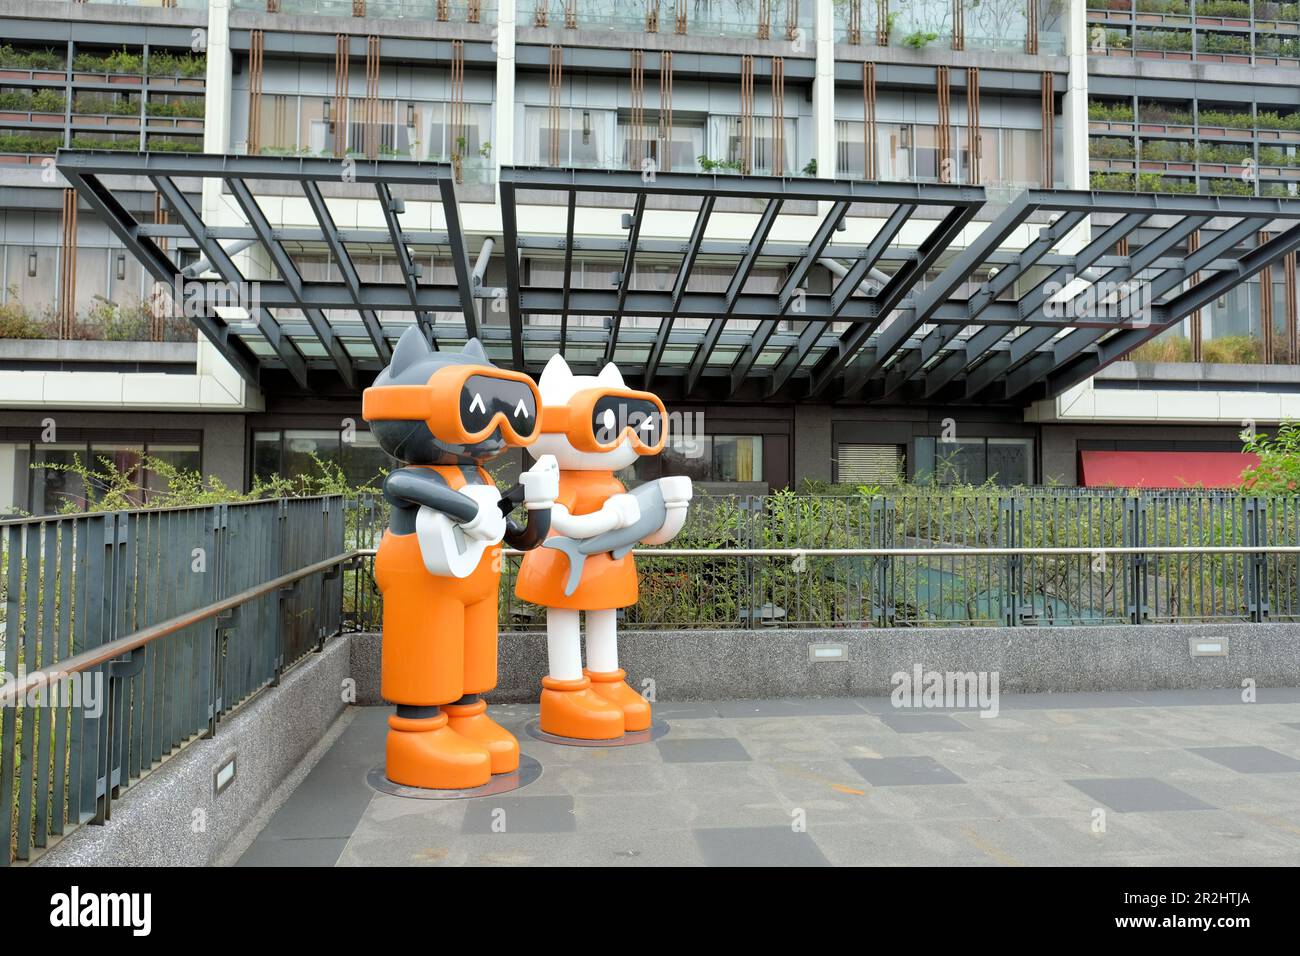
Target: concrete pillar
(1075, 109)
(224, 454)
(814, 445)
(503, 147)
(824, 91)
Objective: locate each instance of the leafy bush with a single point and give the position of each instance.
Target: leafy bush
(1278, 470)
(163, 145)
(1161, 113)
(1170, 41)
(1163, 348)
(169, 64)
(119, 61)
(1229, 187)
(1110, 112)
(28, 143)
(1233, 350)
(15, 59)
(16, 322)
(188, 106)
(100, 104)
(1111, 182)
(1159, 183)
(104, 142)
(1110, 147)
(1223, 8)
(1226, 120)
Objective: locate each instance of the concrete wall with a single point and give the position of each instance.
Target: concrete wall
(174, 817)
(697, 665)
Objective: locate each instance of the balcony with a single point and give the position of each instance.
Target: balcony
(444, 11)
(738, 19)
(1207, 31)
(1008, 26)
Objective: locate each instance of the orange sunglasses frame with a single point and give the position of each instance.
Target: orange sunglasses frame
(573, 419)
(437, 403)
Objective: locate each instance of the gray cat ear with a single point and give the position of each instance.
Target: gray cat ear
(474, 349)
(411, 349)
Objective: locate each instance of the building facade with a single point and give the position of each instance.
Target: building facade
(1166, 97)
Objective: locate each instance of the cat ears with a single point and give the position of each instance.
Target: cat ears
(412, 348)
(474, 349)
(557, 371)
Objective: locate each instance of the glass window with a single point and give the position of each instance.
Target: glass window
(266, 455)
(55, 490)
(737, 458)
(582, 137)
(301, 448)
(683, 151)
(1004, 461)
(364, 462)
(850, 157)
(180, 457)
(15, 473)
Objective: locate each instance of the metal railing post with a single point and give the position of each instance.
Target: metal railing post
(1257, 597)
(1136, 579)
(883, 609)
(1013, 570)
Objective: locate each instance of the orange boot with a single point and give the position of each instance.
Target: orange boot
(571, 709)
(472, 722)
(613, 687)
(427, 753)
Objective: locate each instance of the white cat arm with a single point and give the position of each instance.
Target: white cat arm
(677, 497)
(619, 511)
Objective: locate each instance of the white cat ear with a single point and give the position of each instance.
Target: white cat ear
(556, 371)
(610, 375)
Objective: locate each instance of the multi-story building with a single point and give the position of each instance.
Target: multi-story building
(1195, 101)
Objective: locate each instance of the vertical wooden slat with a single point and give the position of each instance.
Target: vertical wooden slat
(882, 22)
(870, 169)
(652, 16)
(636, 152)
(666, 104)
(1194, 243)
(974, 142)
(1049, 146)
(791, 19)
(1266, 303)
(958, 25)
(943, 88)
(680, 24)
(339, 118)
(370, 109)
(778, 116)
(555, 78)
(746, 112)
(1292, 319)
(457, 131)
(1031, 26)
(854, 31)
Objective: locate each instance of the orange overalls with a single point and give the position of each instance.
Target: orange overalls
(440, 633)
(606, 583)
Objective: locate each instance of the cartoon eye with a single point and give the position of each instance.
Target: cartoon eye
(608, 420)
(521, 410)
(477, 404)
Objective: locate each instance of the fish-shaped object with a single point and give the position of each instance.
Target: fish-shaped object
(654, 512)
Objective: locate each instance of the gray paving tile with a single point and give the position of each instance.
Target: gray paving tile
(1249, 759)
(684, 710)
(1295, 726)
(323, 851)
(515, 814)
(802, 707)
(758, 846)
(706, 750)
(902, 771)
(904, 723)
(1138, 794)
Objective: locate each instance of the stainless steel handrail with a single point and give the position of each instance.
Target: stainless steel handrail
(16, 690)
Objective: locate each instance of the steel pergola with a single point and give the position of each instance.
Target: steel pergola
(893, 292)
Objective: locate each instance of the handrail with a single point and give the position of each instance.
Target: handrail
(16, 690)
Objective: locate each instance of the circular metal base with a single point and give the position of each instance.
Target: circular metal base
(656, 730)
(529, 771)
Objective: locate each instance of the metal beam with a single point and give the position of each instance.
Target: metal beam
(625, 277)
(347, 268)
(459, 252)
(568, 267)
(738, 278)
(858, 273)
(679, 288)
(293, 279)
(510, 240)
(159, 265)
(749, 354)
(888, 299)
(225, 267)
(392, 207)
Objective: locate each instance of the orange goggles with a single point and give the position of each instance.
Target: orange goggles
(463, 404)
(598, 419)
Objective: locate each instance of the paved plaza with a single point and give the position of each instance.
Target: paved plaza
(1128, 779)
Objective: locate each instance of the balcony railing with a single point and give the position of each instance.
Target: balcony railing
(1032, 26)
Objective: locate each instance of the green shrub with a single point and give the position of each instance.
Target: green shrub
(29, 144)
(1110, 147)
(102, 142)
(99, 103)
(1110, 112)
(15, 59)
(119, 61)
(16, 322)
(186, 106)
(1233, 350)
(169, 64)
(164, 145)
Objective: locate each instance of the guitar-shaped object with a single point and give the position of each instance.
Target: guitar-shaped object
(446, 548)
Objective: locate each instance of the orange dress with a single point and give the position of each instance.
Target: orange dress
(606, 583)
(440, 633)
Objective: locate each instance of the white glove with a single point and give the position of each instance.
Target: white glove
(541, 483)
(488, 525)
(625, 509)
(677, 495)
(676, 490)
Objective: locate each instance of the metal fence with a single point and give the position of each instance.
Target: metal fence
(722, 590)
(71, 584)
